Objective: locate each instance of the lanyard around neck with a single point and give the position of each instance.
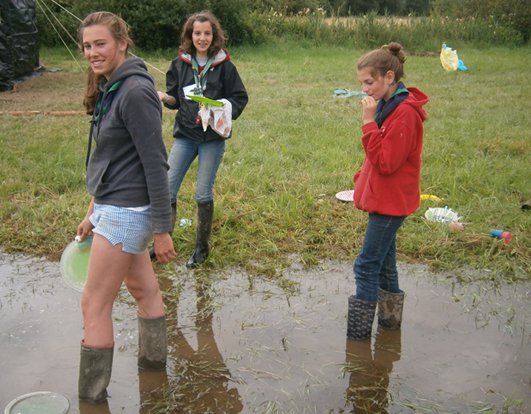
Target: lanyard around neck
(200, 76)
(104, 101)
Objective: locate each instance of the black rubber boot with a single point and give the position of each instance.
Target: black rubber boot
(205, 212)
(94, 373)
(152, 344)
(360, 318)
(152, 254)
(390, 306)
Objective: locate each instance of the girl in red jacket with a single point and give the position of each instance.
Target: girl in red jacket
(387, 186)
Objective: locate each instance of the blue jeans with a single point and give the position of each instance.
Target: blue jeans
(182, 154)
(375, 267)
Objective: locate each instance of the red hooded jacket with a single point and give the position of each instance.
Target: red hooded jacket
(389, 180)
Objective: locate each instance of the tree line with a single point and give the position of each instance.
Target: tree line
(156, 24)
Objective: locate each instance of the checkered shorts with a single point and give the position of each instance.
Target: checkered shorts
(132, 228)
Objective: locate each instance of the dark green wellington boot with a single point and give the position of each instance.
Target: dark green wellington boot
(390, 307)
(152, 344)
(152, 254)
(360, 318)
(94, 373)
(205, 212)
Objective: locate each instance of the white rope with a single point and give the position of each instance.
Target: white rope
(148, 64)
(74, 40)
(58, 34)
(60, 24)
(70, 13)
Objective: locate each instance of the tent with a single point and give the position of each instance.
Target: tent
(19, 47)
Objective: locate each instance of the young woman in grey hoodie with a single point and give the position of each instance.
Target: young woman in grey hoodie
(130, 204)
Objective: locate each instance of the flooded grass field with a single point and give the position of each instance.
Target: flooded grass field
(242, 344)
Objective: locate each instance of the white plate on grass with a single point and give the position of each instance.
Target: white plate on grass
(346, 196)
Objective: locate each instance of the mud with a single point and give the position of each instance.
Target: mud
(239, 344)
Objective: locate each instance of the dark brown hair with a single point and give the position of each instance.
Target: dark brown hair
(390, 57)
(119, 31)
(218, 36)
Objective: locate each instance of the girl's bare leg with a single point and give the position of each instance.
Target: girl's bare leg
(108, 267)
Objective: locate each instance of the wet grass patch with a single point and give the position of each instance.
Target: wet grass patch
(295, 146)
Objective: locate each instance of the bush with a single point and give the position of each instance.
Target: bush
(514, 14)
(155, 24)
(233, 16)
(56, 26)
(371, 30)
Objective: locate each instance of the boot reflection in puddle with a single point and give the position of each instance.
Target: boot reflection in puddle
(152, 387)
(369, 375)
(201, 381)
(86, 407)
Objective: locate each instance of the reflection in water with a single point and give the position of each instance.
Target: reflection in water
(369, 375)
(151, 387)
(88, 408)
(283, 354)
(200, 381)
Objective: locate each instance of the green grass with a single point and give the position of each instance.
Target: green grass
(293, 148)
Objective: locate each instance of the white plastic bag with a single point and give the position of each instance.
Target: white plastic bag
(219, 118)
(449, 59)
(442, 215)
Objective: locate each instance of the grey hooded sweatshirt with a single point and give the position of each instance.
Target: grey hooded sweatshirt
(128, 167)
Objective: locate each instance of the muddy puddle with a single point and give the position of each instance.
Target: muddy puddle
(238, 345)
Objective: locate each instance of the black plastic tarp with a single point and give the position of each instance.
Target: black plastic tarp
(19, 48)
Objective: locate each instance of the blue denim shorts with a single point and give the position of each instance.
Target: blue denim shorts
(132, 228)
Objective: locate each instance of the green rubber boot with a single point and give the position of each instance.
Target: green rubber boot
(152, 344)
(94, 373)
(390, 306)
(205, 213)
